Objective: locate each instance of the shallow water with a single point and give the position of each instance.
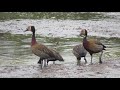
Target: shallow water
(59, 33)
(15, 49)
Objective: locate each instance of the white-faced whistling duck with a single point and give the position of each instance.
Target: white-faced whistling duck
(43, 51)
(79, 51)
(92, 45)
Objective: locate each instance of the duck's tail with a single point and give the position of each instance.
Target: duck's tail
(104, 47)
(57, 56)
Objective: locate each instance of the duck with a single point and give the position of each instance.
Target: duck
(57, 56)
(92, 45)
(42, 51)
(79, 51)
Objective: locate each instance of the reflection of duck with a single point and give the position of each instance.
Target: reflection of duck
(79, 51)
(92, 46)
(42, 51)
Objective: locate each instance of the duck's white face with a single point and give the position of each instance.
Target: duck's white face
(28, 28)
(83, 32)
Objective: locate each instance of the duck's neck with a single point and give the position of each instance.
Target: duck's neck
(85, 39)
(33, 42)
(85, 42)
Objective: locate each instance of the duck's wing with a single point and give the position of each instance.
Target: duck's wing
(95, 41)
(79, 50)
(95, 45)
(57, 55)
(42, 51)
(99, 43)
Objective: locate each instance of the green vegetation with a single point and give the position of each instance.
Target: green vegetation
(51, 15)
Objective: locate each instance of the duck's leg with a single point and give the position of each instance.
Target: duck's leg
(100, 61)
(49, 59)
(91, 59)
(53, 62)
(39, 62)
(79, 61)
(45, 61)
(85, 60)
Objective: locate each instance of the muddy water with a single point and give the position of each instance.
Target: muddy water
(63, 35)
